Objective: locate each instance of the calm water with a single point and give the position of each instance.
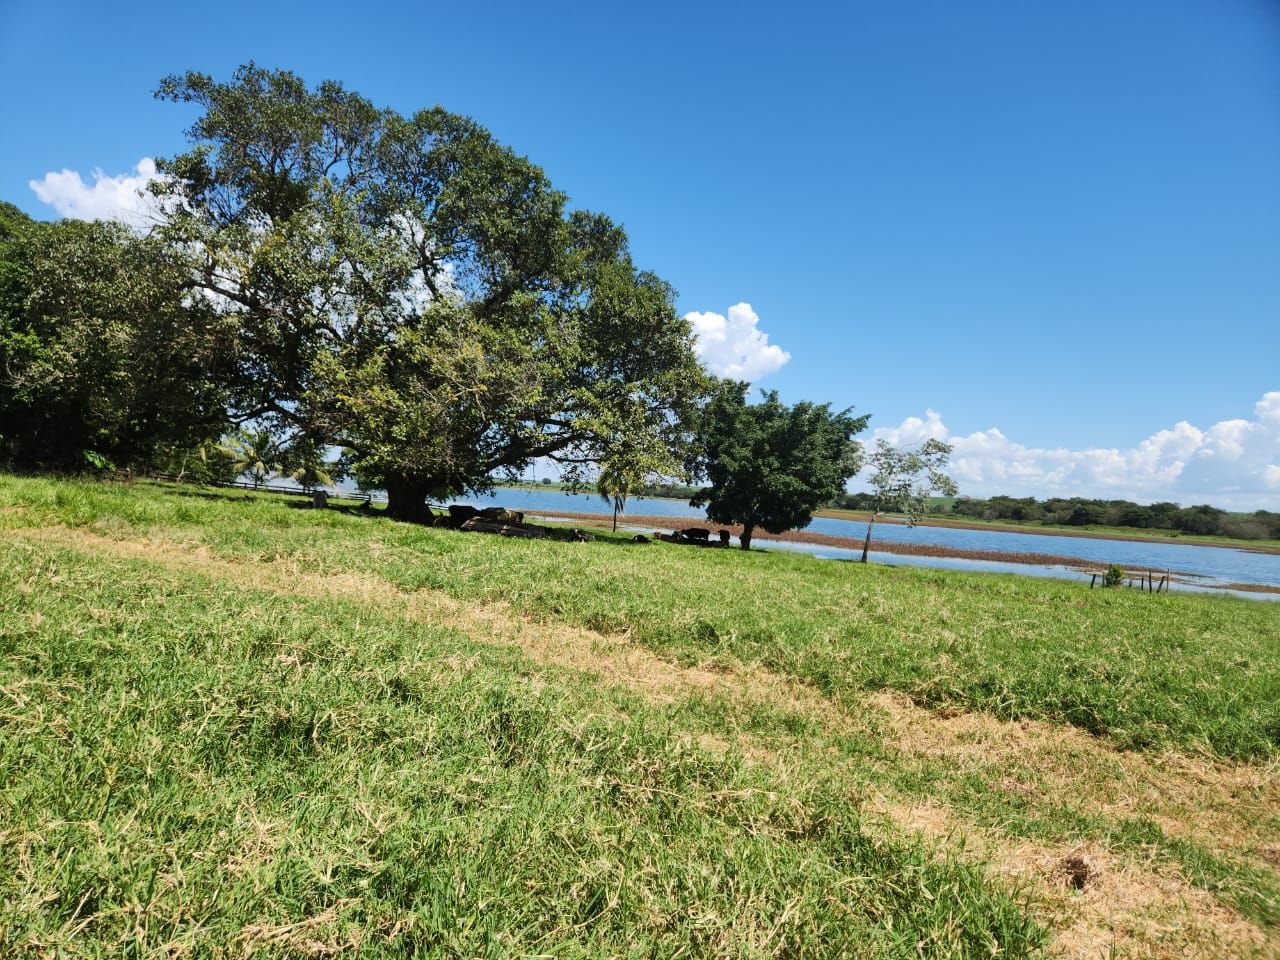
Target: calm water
(1212, 566)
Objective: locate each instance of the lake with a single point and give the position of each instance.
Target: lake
(1212, 567)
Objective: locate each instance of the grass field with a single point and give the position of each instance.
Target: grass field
(233, 726)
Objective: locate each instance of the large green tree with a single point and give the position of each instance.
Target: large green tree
(103, 357)
(770, 465)
(411, 290)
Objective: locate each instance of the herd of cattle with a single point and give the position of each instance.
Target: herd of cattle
(511, 523)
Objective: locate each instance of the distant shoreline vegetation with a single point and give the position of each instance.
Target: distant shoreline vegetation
(1200, 520)
(661, 491)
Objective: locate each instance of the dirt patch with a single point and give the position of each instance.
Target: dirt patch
(1221, 805)
(1095, 904)
(1077, 870)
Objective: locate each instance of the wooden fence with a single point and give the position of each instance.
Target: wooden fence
(359, 495)
(1145, 579)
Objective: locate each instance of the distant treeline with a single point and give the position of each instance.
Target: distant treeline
(1202, 519)
(672, 491)
(675, 491)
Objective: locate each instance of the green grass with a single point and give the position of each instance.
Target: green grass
(1149, 672)
(205, 762)
(196, 768)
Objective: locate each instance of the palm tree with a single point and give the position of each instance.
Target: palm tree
(304, 463)
(253, 452)
(614, 484)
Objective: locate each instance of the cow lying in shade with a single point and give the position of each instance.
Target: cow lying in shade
(694, 537)
(460, 513)
(502, 514)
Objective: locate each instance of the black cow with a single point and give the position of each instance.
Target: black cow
(460, 513)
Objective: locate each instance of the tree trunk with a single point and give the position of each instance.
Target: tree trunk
(615, 518)
(866, 544)
(744, 539)
(406, 500)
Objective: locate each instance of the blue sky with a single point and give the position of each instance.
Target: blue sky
(1049, 232)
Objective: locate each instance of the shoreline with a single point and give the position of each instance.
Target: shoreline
(831, 540)
(1078, 564)
(933, 520)
(1249, 546)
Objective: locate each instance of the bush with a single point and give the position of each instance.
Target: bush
(1113, 577)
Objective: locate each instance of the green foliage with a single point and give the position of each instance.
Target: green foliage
(256, 454)
(99, 347)
(902, 481)
(1113, 577)
(770, 465)
(303, 461)
(1200, 520)
(409, 289)
(97, 461)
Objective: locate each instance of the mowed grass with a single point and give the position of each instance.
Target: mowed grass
(241, 732)
(196, 768)
(1148, 672)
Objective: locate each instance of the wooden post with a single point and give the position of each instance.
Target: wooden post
(1093, 579)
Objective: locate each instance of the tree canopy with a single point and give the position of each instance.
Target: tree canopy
(102, 357)
(413, 291)
(770, 466)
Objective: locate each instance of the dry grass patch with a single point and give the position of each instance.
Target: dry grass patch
(1096, 904)
(1226, 806)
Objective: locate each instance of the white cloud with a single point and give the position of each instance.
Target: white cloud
(735, 346)
(1232, 463)
(914, 431)
(121, 198)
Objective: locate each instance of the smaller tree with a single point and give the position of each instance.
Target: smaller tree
(903, 481)
(303, 462)
(638, 453)
(254, 452)
(771, 466)
(614, 484)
